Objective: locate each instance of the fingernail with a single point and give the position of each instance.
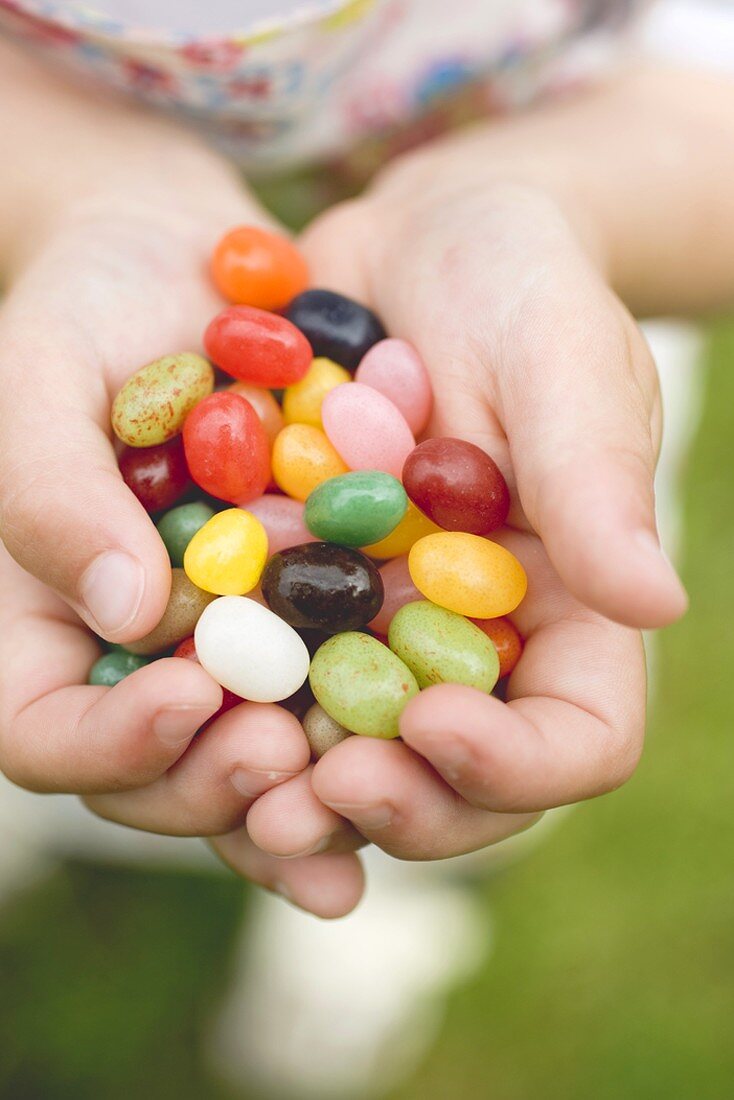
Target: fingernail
(279, 887)
(252, 782)
(111, 590)
(451, 757)
(174, 725)
(651, 544)
(377, 816)
(313, 850)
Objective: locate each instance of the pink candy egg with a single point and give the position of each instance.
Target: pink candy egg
(366, 428)
(399, 590)
(396, 369)
(282, 519)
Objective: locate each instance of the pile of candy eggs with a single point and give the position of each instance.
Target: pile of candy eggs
(320, 556)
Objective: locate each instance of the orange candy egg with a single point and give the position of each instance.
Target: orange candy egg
(255, 268)
(507, 641)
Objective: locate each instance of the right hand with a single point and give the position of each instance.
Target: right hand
(115, 286)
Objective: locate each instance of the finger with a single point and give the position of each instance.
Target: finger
(290, 821)
(65, 513)
(396, 799)
(56, 735)
(208, 791)
(574, 724)
(328, 886)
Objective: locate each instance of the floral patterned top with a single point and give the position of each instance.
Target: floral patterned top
(330, 73)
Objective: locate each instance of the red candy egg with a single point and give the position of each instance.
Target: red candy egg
(457, 485)
(227, 448)
(507, 641)
(157, 475)
(258, 347)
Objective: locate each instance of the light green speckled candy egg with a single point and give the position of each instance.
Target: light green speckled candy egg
(361, 684)
(441, 647)
(152, 405)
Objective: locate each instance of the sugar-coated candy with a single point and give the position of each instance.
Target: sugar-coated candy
(413, 526)
(228, 554)
(323, 587)
(258, 268)
(249, 650)
(302, 401)
(187, 651)
(257, 347)
(227, 449)
(302, 458)
(113, 667)
(264, 404)
(396, 369)
(441, 647)
(322, 731)
(506, 639)
(152, 405)
(357, 508)
(178, 527)
(399, 590)
(457, 485)
(283, 521)
(336, 327)
(467, 574)
(185, 604)
(361, 684)
(157, 476)
(367, 430)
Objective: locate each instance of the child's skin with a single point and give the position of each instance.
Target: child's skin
(504, 254)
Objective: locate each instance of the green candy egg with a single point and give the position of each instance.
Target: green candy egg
(361, 684)
(115, 666)
(178, 526)
(152, 405)
(441, 647)
(356, 509)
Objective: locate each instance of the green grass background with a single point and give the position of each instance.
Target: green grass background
(613, 969)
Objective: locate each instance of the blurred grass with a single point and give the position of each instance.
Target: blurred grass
(613, 969)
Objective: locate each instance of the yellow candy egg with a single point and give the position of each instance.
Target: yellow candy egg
(467, 574)
(302, 458)
(228, 554)
(302, 401)
(413, 526)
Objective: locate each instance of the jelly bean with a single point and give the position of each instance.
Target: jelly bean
(322, 731)
(187, 651)
(258, 347)
(441, 647)
(264, 404)
(157, 475)
(336, 327)
(302, 458)
(324, 587)
(185, 604)
(258, 268)
(228, 554)
(249, 650)
(227, 449)
(396, 369)
(113, 667)
(283, 521)
(366, 428)
(302, 402)
(467, 574)
(356, 508)
(362, 685)
(507, 641)
(413, 526)
(178, 527)
(152, 405)
(457, 485)
(299, 702)
(399, 590)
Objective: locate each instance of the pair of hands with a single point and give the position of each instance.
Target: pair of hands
(532, 357)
